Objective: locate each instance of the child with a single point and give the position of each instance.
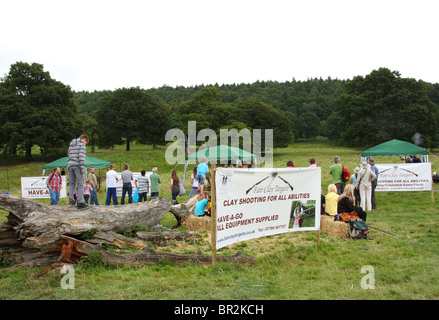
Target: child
(202, 169)
(87, 189)
(201, 204)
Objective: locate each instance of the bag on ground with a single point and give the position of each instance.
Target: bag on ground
(358, 229)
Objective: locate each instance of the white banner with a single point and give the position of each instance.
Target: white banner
(35, 187)
(253, 203)
(404, 177)
(119, 184)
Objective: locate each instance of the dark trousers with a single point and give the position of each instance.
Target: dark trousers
(143, 196)
(111, 193)
(94, 196)
(340, 187)
(174, 196)
(372, 198)
(127, 187)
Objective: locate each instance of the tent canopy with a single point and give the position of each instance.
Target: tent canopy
(89, 162)
(221, 152)
(394, 148)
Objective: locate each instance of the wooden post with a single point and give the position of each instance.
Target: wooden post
(213, 214)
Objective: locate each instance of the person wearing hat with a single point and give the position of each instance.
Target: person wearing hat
(375, 170)
(364, 184)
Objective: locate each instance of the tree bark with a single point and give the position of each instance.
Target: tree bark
(183, 210)
(40, 226)
(149, 256)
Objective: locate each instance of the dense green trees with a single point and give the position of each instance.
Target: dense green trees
(36, 110)
(383, 106)
(131, 114)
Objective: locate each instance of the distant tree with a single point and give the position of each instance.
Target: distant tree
(36, 110)
(308, 125)
(258, 115)
(383, 106)
(131, 114)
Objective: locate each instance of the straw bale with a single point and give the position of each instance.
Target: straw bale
(336, 229)
(194, 223)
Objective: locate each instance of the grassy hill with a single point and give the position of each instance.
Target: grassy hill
(290, 266)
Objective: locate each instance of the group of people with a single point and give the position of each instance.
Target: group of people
(143, 184)
(358, 196)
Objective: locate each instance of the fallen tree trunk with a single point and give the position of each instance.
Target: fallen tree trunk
(39, 232)
(149, 256)
(40, 226)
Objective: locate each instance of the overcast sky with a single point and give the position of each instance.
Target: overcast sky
(105, 45)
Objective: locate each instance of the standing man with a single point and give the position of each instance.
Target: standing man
(336, 170)
(127, 177)
(54, 183)
(155, 181)
(76, 169)
(142, 183)
(111, 185)
(375, 170)
(94, 184)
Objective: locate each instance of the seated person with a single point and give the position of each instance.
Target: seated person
(346, 203)
(201, 206)
(331, 200)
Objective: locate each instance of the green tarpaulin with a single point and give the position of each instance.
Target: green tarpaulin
(394, 148)
(222, 152)
(89, 162)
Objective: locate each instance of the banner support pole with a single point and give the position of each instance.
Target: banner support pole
(213, 215)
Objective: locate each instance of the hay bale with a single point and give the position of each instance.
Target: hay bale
(336, 229)
(194, 223)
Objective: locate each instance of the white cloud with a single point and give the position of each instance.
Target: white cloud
(111, 44)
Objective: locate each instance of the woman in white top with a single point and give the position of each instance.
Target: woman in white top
(364, 184)
(194, 182)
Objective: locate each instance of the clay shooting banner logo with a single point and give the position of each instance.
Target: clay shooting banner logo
(35, 187)
(404, 177)
(253, 203)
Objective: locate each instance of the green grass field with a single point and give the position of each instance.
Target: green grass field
(289, 266)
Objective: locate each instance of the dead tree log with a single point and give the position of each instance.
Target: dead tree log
(149, 256)
(40, 232)
(41, 226)
(183, 211)
(162, 238)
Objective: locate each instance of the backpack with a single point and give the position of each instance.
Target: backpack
(358, 229)
(345, 174)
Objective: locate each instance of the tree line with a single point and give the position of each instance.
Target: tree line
(38, 111)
